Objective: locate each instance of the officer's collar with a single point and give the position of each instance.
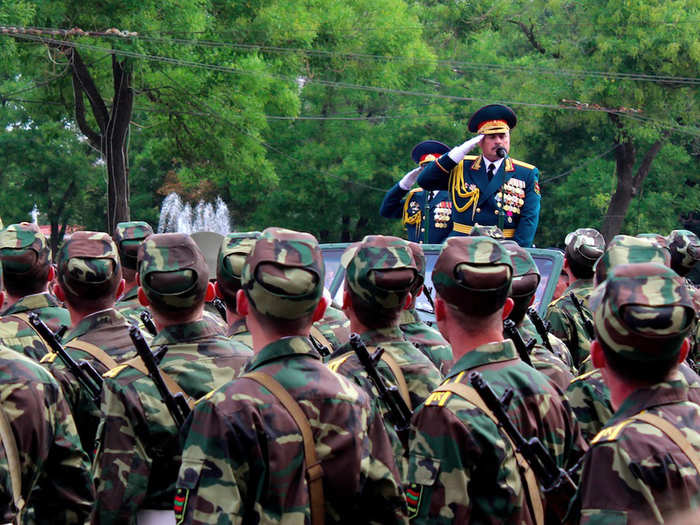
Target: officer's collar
(496, 165)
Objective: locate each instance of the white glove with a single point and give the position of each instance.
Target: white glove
(410, 178)
(457, 153)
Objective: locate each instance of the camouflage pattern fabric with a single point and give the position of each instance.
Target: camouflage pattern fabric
(129, 306)
(55, 470)
(481, 230)
(624, 249)
(634, 473)
(545, 361)
(24, 250)
(567, 324)
(235, 247)
(243, 460)
(335, 327)
(212, 316)
(238, 331)
(138, 452)
(684, 246)
(20, 336)
(439, 470)
(109, 331)
(426, 339)
(128, 236)
(584, 246)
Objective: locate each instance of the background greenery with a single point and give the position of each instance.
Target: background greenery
(302, 113)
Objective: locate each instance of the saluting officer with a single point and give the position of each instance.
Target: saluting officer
(491, 188)
(426, 215)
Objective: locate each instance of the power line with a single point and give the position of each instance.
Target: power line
(584, 163)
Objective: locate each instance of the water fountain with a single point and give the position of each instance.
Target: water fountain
(35, 214)
(179, 216)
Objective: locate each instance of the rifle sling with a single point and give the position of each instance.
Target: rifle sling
(314, 470)
(95, 351)
(673, 433)
(172, 385)
(322, 339)
(398, 374)
(10, 445)
(471, 395)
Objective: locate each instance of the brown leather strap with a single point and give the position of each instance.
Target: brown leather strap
(318, 335)
(314, 470)
(471, 395)
(398, 374)
(95, 351)
(674, 433)
(24, 317)
(13, 463)
(172, 385)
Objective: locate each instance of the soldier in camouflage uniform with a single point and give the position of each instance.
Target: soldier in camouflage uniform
(128, 236)
(379, 273)
(234, 249)
(138, 451)
(89, 282)
(643, 466)
(333, 330)
(425, 338)
(587, 393)
(243, 460)
(526, 278)
(583, 248)
(461, 468)
(52, 472)
(25, 256)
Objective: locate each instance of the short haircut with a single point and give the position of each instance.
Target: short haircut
(650, 372)
(19, 285)
(373, 317)
(580, 271)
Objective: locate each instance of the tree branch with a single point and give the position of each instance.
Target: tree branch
(83, 77)
(92, 136)
(529, 32)
(649, 157)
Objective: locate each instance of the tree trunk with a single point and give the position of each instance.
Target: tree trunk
(345, 232)
(110, 139)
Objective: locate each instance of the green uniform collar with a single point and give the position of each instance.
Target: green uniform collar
(185, 333)
(666, 393)
(294, 346)
(237, 327)
(409, 317)
(483, 355)
(95, 321)
(383, 335)
(32, 302)
(131, 294)
(582, 288)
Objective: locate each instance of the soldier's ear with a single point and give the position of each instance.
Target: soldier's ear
(138, 279)
(532, 300)
(52, 274)
(347, 302)
(211, 294)
(58, 292)
(2, 298)
(217, 290)
(120, 289)
(242, 303)
(597, 355)
(320, 310)
(508, 307)
(408, 301)
(440, 309)
(685, 348)
(142, 297)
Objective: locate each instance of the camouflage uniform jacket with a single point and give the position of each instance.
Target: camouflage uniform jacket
(138, 452)
(633, 472)
(589, 397)
(426, 339)
(243, 460)
(238, 331)
(55, 469)
(109, 331)
(20, 336)
(544, 360)
(567, 324)
(129, 306)
(335, 327)
(461, 468)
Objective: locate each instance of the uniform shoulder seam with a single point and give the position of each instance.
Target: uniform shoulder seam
(523, 164)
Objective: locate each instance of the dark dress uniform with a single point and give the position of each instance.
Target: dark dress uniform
(426, 219)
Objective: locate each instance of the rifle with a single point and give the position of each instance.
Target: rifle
(426, 292)
(555, 483)
(220, 307)
(147, 320)
(587, 324)
(176, 404)
(398, 412)
(543, 327)
(511, 332)
(320, 348)
(83, 371)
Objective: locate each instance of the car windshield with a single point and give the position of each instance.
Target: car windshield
(331, 259)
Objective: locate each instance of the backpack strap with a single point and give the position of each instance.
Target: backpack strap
(673, 433)
(95, 351)
(314, 470)
(10, 445)
(532, 487)
(172, 385)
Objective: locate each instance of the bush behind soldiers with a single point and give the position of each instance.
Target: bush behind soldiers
(139, 452)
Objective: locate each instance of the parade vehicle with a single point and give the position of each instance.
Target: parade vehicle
(549, 263)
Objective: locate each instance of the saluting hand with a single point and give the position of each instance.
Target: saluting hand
(458, 152)
(410, 178)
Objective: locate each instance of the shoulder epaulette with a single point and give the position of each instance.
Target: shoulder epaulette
(437, 398)
(555, 301)
(583, 376)
(609, 434)
(208, 395)
(470, 157)
(337, 363)
(523, 164)
(48, 358)
(114, 372)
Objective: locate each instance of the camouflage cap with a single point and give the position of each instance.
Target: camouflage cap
(172, 271)
(380, 270)
(685, 250)
(283, 275)
(584, 246)
(642, 311)
(235, 247)
(473, 274)
(128, 236)
(24, 251)
(624, 249)
(88, 265)
(526, 275)
(480, 230)
(419, 259)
